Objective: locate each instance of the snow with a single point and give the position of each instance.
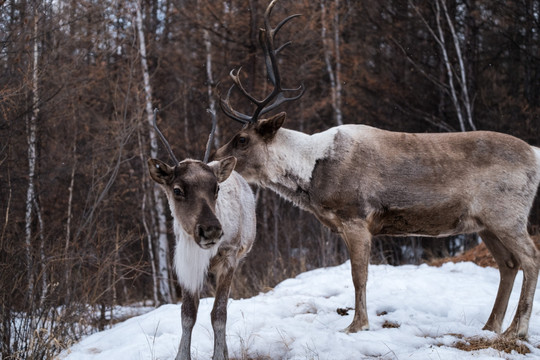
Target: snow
(298, 319)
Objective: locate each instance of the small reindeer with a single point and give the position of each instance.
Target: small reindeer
(361, 182)
(213, 210)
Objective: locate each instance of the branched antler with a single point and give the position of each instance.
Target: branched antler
(277, 96)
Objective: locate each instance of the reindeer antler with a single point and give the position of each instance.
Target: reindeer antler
(165, 142)
(210, 137)
(266, 39)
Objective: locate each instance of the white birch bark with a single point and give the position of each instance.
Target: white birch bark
(337, 52)
(32, 158)
(42, 257)
(8, 207)
(148, 232)
(211, 99)
(462, 71)
(161, 231)
(329, 50)
(70, 200)
(67, 261)
(439, 38)
(442, 44)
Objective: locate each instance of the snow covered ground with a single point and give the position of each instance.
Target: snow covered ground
(298, 319)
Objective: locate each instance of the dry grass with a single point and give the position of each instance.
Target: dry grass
(508, 345)
(390, 324)
(479, 255)
(248, 357)
(344, 311)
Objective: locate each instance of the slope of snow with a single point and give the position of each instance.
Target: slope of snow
(298, 319)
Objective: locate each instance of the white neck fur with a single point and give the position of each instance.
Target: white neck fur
(190, 260)
(293, 156)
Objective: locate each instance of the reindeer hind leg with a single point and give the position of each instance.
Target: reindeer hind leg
(524, 250)
(508, 268)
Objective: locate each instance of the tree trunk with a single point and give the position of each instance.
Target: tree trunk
(67, 259)
(457, 89)
(213, 139)
(145, 187)
(161, 231)
(337, 52)
(42, 257)
(331, 49)
(32, 158)
(465, 98)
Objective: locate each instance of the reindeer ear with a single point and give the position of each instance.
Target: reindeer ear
(267, 128)
(159, 171)
(223, 168)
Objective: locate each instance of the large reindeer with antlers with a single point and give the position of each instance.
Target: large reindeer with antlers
(213, 211)
(361, 182)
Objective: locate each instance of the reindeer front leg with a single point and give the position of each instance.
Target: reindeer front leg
(358, 240)
(219, 313)
(190, 305)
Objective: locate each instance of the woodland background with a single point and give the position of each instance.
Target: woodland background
(84, 229)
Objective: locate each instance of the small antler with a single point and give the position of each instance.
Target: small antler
(266, 39)
(211, 136)
(165, 142)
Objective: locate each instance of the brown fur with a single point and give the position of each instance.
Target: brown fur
(370, 182)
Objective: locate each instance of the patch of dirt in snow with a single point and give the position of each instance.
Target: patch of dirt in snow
(479, 255)
(508, 345)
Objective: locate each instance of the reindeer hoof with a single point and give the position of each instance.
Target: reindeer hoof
(512, 333)
(490, 327)
(353, 328)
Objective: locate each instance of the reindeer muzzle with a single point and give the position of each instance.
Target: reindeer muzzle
(208, 235)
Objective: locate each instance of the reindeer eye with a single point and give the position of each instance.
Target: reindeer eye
(178, 192)
(242, 141)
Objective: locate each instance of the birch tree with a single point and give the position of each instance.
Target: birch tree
(31, 128)
(213, 139)
(456, 85)
(69, 216)
(331, 49)
(162, 247)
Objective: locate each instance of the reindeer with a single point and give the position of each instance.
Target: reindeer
(361, 181)
(213, 211)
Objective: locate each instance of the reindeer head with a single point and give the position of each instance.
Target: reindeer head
(192, 189)
(249, 145)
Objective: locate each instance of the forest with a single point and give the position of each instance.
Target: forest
(83, 227)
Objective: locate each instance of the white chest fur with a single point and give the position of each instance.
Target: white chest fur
(190, 260)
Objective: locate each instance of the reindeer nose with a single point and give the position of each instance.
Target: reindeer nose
(209, 232)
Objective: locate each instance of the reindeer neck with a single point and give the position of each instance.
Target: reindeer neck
(292, 156)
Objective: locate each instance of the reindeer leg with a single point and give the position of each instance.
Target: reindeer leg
(524, 249)
(190, 306)
(358, 240)
(219, 314)
(508, 268)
